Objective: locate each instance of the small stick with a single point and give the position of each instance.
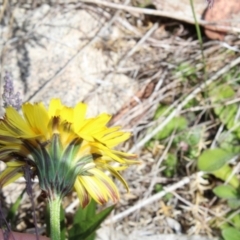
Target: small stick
(153, 198)
(163, 13)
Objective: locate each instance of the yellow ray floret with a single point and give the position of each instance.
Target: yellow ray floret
(64, 149)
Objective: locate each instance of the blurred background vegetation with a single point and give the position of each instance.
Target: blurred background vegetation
(143, 62)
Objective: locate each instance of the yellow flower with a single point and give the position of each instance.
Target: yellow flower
(64, 149)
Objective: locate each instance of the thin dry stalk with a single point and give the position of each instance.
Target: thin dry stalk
(153, 198)
(162, 13)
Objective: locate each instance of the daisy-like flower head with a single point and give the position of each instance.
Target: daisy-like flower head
(64, 149)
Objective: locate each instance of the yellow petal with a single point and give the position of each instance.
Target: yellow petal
(105, 131)
(4, 130)
(54, 107)
(94, 124)
(16, 125)
(67, 114)
(113, 139)
(15, 164)
(86, 137)
(83, 195)
(117, 175)
(110, 188)
(9, 175)
(106, 151)
(79, 116)
(95, 188)
(37, 117)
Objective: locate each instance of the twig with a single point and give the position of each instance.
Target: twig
(139, 43)
(163, 13)
(233, 173)
(214, 142)
(159, 162)
(153, 198)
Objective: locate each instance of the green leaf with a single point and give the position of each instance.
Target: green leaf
(158, 187)
(220, 94)
(236, 221)
(225, 173)
(229, 142)
(234, 203)
(86, 213)
(194, 136)
(226, 192)
(12, 213)
(176, 124)
(83, 228)
(213, 159)
(171, 164)
(231, 234)
(186, 71)
(160, 112)
(82, 215)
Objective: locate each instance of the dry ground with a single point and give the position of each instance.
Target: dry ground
(124, 63)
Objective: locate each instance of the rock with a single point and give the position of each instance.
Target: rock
(224, 13)
(50, 55)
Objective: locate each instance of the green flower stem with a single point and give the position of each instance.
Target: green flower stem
(54, 206)
(199, 35)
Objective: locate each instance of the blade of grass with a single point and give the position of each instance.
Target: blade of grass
(199, 35)
(12, 213)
